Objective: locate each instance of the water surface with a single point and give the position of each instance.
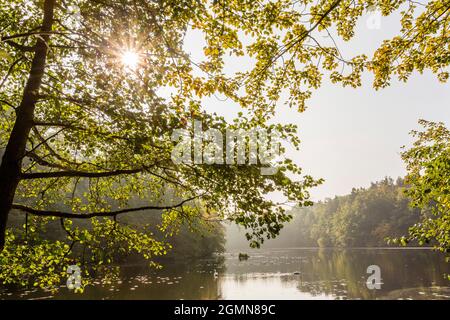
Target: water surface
(276, 274)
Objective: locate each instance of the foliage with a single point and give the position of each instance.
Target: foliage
(32, 259)
(428, 164)
(40, 250)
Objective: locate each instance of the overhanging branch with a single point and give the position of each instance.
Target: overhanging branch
(71, 215)
(77, 173)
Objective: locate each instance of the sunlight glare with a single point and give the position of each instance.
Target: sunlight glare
(130, 59)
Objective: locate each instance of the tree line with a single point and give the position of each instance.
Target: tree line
(367, 217)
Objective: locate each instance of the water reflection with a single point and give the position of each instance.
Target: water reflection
(277, 274)
(341, 274)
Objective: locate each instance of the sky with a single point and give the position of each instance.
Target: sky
(352, 137)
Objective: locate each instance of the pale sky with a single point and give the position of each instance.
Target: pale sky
(351, 137)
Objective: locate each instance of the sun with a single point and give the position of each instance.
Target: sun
(130, 59)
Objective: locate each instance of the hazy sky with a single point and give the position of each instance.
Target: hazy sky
(351, 137)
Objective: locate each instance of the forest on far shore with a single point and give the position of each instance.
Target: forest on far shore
(364, 218)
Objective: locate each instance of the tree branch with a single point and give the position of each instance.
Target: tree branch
(10, 70)
(32, 33)
(70, 215)
(76, 173)
(20, 47)
(43, 162)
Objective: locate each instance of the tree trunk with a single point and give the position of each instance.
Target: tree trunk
(11, 165)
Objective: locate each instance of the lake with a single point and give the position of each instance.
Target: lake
(295, 273)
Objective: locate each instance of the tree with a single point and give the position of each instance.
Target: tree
(85, 129)
(428, 164)
(364, 218)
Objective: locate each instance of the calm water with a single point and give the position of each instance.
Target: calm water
(277, 274)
